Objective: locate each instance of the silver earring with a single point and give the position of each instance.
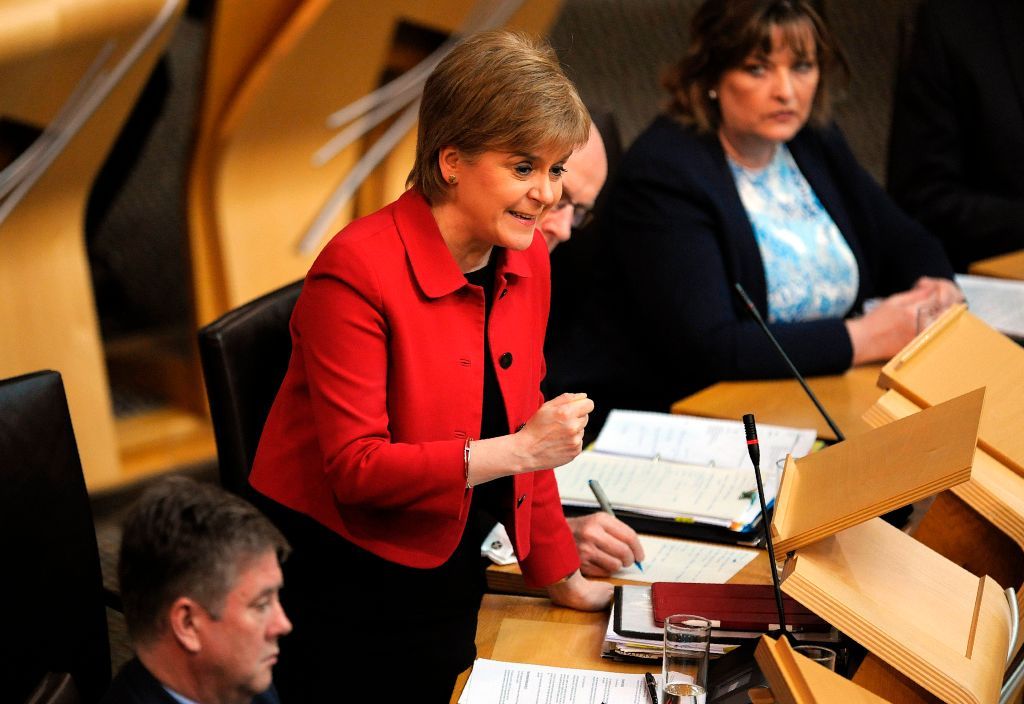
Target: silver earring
(452, 179)
(713, 94)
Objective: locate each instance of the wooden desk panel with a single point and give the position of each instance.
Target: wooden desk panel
(1006, 266)
(783, 402)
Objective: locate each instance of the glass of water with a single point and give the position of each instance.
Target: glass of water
(823, 656)
(685, 665)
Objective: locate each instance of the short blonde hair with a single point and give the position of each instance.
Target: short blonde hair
(723, 33)
(497, 90)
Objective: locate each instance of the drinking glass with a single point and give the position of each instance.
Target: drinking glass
(685, 664)
(927, 313)
(823, 656)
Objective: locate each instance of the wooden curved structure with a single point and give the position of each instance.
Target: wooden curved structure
(254, 190)
(70, 70)
(978, 524)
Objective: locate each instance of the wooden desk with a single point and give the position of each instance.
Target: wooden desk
(1006, 266)
(532, 630)
(783, 402)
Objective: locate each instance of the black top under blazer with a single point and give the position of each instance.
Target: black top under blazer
(135, 684)
(678, 237)
(956, 157)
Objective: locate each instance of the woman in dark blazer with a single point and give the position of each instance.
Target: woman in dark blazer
(412, 405)
(745, 181)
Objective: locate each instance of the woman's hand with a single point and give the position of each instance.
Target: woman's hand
(945, 292)
(884, 331)
(581, 594)
(554, 434)
(605, 544)
(552, 437)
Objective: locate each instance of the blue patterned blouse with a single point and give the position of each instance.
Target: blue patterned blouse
(809, 268)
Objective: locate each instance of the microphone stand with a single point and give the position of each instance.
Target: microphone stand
(792, 367)
(755, 457)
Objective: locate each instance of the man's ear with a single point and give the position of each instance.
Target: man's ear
(183, 616)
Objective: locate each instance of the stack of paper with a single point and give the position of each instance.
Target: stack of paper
(493, 682)
(632, 632)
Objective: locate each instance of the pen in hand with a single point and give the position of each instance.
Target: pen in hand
(606, 506)
(652, 687)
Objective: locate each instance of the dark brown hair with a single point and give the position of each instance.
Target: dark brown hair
(723, 33)
(497, 90)
(187, 538)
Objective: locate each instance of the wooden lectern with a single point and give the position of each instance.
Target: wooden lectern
(937, 631)
(980, 523)
(956, 354)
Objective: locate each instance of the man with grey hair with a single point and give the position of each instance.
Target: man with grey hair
(200, 576)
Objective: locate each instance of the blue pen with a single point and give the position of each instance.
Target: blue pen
(606, 506)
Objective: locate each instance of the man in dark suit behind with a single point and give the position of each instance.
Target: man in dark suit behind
(956, 154)
(200, 575)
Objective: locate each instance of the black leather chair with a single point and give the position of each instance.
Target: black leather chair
(54, 615)
(245, 355)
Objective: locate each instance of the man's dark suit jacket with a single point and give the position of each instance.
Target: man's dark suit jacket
(956, 155)
(678, 238)
(135, 685)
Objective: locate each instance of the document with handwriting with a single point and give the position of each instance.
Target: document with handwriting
(701, 441)
(494, 682)
(667, 560)
(714, 495)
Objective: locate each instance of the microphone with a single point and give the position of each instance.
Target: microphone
(898, 516)
(755, 457)
(792, 367)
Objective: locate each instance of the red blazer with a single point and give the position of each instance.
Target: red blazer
(385, 382)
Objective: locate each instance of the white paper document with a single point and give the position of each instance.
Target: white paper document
(494, 682)
(998, 302)
(700, 441)
(724, 496)
(667, 560)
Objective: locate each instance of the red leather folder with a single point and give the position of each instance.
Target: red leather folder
(740, 607)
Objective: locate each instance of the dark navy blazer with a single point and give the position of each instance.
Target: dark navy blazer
(678, 237)
(135, 685)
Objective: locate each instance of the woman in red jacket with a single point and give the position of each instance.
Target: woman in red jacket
(411, 412)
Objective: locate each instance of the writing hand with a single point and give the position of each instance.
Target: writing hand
(605, 544)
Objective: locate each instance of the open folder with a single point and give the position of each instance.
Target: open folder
(681, 475)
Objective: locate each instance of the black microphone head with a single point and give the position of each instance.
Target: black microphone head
(750, 428)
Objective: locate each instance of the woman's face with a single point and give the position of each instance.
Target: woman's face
(767, 100)
(500, 197)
